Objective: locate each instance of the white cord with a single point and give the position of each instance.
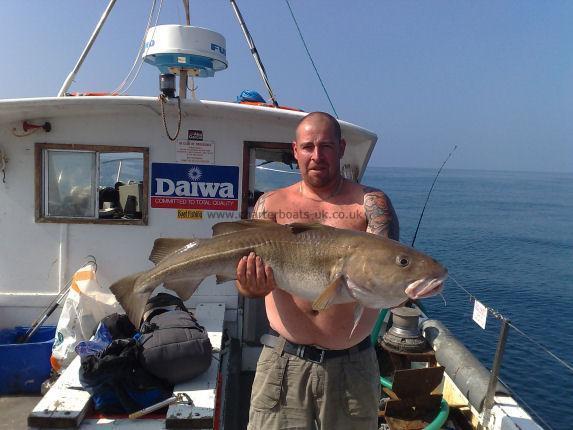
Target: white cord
(139, 57)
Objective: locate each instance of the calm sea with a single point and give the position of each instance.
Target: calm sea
(506, 237)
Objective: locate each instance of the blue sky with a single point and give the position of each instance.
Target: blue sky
(493, 77)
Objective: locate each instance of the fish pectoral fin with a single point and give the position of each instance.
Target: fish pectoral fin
(184, 288)
(234, 226)
(358, 311)
(163, 247)
(224, 278)
(329, 294)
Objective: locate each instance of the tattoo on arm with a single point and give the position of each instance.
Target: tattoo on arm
(380, 215)
(260, 211)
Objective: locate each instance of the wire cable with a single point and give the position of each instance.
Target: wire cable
(498, 315)
(141, 62)
(142, 44)
(310, 58)
(543, 347)
(163, 100)
(529, 408)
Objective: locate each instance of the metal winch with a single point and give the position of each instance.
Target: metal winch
(405, 335)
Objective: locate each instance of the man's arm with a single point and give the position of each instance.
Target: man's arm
(260, 210)
(381, 218)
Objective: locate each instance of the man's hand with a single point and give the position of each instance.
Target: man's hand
(254, 278)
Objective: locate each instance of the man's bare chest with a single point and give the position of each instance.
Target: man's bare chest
(348, 216)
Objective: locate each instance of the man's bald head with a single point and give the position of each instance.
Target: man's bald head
(322, 117)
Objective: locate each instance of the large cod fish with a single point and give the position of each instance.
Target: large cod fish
(322, 264)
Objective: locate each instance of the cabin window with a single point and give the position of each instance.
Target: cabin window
(272, 165)
(91, 184)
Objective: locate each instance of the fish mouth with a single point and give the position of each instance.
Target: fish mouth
(426, 287)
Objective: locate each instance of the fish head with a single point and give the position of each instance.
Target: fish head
(386, 274)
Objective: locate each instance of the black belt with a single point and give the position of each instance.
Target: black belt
(313, 353)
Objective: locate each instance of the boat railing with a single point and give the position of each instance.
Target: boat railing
(505, 325)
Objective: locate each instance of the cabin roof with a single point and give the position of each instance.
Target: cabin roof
(12, 110)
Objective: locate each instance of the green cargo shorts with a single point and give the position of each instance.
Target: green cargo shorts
(341, 393)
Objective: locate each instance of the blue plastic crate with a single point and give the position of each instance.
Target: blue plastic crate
(24, 366)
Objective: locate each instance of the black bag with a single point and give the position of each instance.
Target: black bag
(115, 378)
(174, 347)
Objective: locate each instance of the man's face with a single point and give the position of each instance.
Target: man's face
(318, 152)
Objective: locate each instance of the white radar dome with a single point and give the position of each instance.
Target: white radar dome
(173, 48)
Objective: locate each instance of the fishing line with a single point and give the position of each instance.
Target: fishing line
(430, 192)
(444, 299)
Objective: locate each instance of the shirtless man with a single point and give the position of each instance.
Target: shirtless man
(290, 389)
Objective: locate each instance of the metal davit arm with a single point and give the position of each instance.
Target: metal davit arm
(72, 75)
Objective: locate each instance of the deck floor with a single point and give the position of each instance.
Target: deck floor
(14, 411)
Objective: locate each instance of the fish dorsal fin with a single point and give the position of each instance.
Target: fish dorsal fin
(327, 297)
(162, 247)
(244, 224)
(300, 227)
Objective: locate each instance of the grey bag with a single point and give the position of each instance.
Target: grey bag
(174, 347)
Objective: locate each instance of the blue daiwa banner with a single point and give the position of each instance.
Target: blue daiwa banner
(194, 186)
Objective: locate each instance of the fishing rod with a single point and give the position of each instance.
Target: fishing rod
(430, 192)
(90, 259)
(417, 302)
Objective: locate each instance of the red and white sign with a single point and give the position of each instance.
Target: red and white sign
(480, 314)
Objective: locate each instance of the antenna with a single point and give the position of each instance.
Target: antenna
(430, 192)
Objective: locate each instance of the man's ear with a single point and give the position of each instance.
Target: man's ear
(342, 145)
(294, 150)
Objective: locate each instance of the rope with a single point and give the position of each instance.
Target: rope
(310, 58)
(498, 315)
(162, 99)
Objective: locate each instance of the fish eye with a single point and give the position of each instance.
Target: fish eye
(402, 261)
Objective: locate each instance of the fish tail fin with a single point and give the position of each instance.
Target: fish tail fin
(131, 300)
